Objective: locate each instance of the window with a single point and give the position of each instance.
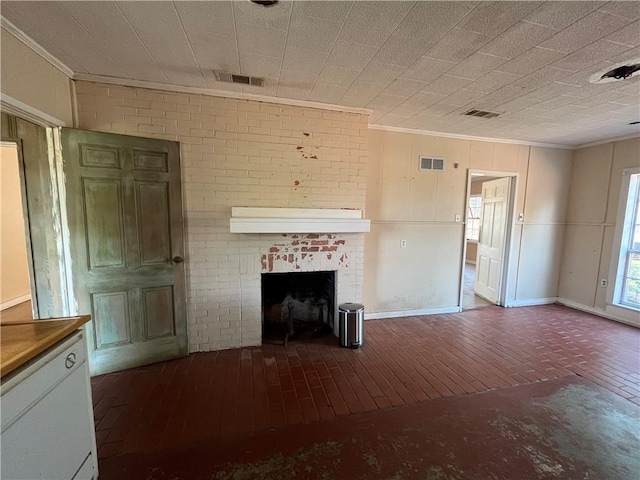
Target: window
(473, 217)
(627, 285)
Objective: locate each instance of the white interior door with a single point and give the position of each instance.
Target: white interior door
(493, 233)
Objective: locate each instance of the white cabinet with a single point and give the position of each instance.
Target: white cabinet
(47, 417)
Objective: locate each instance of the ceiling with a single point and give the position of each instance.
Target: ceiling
(417, 65)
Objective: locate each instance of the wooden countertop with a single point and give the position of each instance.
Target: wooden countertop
(20, 341)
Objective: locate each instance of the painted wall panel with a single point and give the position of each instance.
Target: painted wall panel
(580, 263)
(396, 176)
(590, 184)
(374, 179)
(625, 154)
(547, 187)
(481, 155)
(538, 268)
(425, 274)
(29, 78)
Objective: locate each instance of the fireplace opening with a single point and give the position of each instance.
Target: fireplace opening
(298, 306)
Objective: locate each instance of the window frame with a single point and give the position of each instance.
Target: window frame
(622, 246)
(469, 218)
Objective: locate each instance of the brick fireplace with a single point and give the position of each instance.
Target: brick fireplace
(254, 154)
(341, 254)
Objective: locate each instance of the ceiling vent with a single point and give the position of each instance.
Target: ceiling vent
(619, 72)
(481, 114)
(222, 76)
(431, 163)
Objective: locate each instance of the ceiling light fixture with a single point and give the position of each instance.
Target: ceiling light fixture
(265, 3)
(620, 71)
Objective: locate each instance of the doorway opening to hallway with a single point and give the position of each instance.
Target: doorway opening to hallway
(487, 240)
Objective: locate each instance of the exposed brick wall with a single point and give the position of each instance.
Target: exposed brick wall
(245, 153)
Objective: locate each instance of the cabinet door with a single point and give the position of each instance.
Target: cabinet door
(53, 438)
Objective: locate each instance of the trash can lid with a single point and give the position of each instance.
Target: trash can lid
(351, 307)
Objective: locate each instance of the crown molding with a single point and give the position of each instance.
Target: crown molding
(468, 137)
(35, 46)
(127, 82)
(608, 140)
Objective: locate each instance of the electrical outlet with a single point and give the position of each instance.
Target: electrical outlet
(403, 243)
(604, 282)
(458, 218)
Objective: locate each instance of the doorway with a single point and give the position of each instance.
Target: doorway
(487, 238)
(16, 287)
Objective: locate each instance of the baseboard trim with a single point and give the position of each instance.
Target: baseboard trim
(411, 313)
(596, 311)
(15, 301)
(531, 302)
(472, 262)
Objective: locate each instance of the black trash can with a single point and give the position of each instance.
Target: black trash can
(351, 325)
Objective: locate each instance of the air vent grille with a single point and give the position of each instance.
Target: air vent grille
(431, 163)
(481, 114)
(227, 77)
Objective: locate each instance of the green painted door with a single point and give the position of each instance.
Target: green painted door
(124, 209)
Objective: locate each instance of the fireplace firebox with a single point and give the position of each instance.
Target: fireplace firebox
(298, 306)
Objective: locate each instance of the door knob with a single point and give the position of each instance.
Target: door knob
(177, 259)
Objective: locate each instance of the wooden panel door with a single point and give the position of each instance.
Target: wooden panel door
(124, 208)
(491, 245)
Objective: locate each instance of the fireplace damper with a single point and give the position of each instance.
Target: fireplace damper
(297, 306)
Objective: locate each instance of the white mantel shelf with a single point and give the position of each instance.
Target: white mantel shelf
(297, 220)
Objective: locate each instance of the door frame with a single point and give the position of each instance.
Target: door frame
(505, 277)
(17, 143)
(49, 180)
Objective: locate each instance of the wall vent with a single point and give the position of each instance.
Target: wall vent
(222, 76)
(481, 114)
(431, 163)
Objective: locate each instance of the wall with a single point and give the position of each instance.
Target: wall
(420, 207)
(14, 279)
(245, 153)
(591, 222)
(27, 77)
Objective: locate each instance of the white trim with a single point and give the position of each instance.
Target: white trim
(20, 109)
(297, 220)
(35, 46)
(411, 313)
(15, 301)
(597, 311)
(530, 302)
(299, 225)
(610, 140)
(471, 262)
(468, 137)
(126, 82)
(616, 273)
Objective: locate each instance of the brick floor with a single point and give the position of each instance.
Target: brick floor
(404, 361)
